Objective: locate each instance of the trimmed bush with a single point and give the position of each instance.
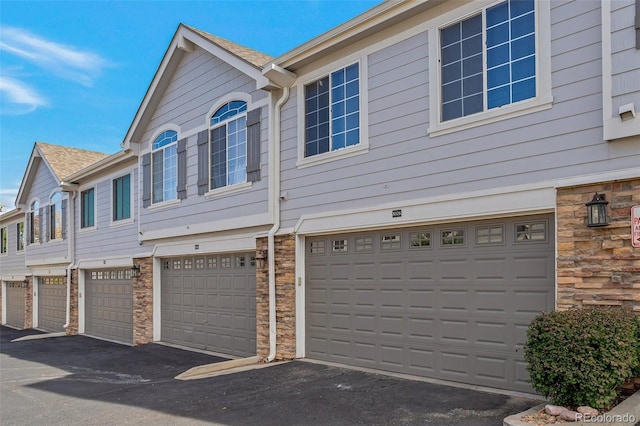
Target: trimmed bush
(579, 357)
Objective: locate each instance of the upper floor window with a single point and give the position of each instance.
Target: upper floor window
(34, 223)
(332, 111)
(55, 216)
(87, 208)
(4, 245)
(228, 145)
(488, 60)
(164, 166)
(122, 198)
(20, 236)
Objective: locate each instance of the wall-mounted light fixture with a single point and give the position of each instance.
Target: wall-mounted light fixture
(597, 211)
(627, 112)
(261, 258)
(135, 270)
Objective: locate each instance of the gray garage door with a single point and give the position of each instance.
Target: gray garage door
(447, 301)
(109, 304)
(209, 302)
(52, 299)
(16, 294)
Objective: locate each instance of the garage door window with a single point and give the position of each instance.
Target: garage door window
(421, 240)
(340, 246)
(493, 234)
(364, 244)
(534, 231)
(452, 237)
(316, 247)
(391, 242)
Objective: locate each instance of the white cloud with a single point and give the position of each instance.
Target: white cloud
(67, 62)
(20, 97)
(7, 198)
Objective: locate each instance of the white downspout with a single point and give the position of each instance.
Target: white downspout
(72, 255)
(274, 162)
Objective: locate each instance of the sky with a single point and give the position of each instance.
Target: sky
(74, 73)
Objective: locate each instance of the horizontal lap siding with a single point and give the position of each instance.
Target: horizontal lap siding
(197, 85)
(625, 86)
(108, 239)
(404, 163)
(43, 185)
(13, 261)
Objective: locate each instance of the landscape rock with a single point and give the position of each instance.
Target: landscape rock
(592, 412)
(570, 416)
(553, 410)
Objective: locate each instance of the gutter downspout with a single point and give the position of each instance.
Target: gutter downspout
(275, 174)
(71, 242)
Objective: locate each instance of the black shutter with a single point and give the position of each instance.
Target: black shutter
(203, 162)
(182, 169)
(64, 219)
(146, 180)
(253, 145)
(28, 231)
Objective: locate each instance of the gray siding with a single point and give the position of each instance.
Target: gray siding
(43, 184)
(108, 239)
(624, 55)
(13, 261)
(198, 83)
(403, 163)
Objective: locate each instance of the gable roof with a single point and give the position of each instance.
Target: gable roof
(64, 160)
(61, 161)
(185, 39)
(253, 57)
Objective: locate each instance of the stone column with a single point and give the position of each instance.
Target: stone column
(143, 302)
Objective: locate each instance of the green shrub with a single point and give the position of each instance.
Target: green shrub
(579, 357)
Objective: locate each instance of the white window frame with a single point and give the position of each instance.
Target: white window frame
(95, 208)
(50, 217)
(32, 213)
(164, 128)
(543, 99)
(24, 236)
(360, 148)
(4, 245)
(128, 220)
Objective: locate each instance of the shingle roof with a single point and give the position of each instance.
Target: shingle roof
(65, 160)
(255, 58)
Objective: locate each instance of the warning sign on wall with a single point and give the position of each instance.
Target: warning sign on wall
(635, 226)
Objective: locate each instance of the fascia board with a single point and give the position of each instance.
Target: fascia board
(367, 20)
(104, 164)
(30, 172)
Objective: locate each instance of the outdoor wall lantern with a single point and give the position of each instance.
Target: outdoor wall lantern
(597, 211)
(261, 258)
(135, 271)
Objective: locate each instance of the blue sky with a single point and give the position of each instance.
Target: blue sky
(74, 72)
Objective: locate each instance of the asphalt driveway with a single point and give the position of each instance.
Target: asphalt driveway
(79, 380)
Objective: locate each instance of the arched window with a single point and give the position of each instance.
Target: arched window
(34, 223)
(55, 216)
(228, 145)
(164, 167)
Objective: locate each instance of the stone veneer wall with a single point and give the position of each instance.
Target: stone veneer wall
(598, 266)
(143, 302)
(285, 263)
(73, 300)
(28, 304)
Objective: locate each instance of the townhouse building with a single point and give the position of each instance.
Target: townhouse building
(404, 192)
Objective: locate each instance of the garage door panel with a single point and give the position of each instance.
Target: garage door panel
(109, 304)
(16, 293)
(408, 305)
(219, 296)
(52, 303)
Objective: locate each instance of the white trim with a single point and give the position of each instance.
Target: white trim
(81, 301)
(526, 199)
(363, 78)
(623, 174)
(15, 276)
(35, 303)
(223, 100)
(229, 189)
(3, 293)
(129, 219)
(6, 234)
(164, 204)
(102, 263)
(222, 244)
(260, 219)
(156, 291)
(59, 271)
(95, 208)
(543, 99)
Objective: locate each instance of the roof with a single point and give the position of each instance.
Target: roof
(65, 160)
(247, 54)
